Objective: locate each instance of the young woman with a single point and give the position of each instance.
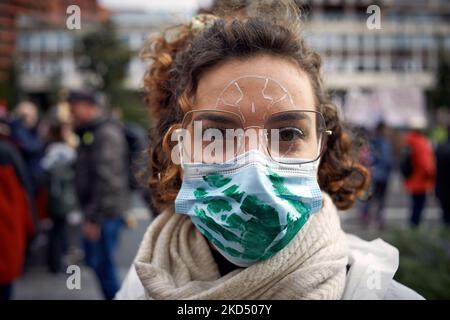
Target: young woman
(250, 162)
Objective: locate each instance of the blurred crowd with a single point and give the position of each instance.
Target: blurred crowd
(421, 156)
(75, 158)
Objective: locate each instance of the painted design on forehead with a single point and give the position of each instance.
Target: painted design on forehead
(237, 97)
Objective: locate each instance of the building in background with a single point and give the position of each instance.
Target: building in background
(34, 37)
(380, 72)
(399, 60)
(44, 46)
(9, 11)
(134, 27)
(46, 54)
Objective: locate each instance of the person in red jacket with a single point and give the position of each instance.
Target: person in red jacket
(16, 224)
(422, 177)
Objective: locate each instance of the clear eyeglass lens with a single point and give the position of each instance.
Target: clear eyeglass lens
(218, 136)
(295, 136)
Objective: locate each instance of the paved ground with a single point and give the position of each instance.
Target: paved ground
(37, 283)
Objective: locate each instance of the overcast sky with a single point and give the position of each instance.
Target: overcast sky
(170, 5)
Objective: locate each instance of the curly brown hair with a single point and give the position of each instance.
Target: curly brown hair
(181, 55)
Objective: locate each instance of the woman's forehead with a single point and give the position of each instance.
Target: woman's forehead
(255, 85)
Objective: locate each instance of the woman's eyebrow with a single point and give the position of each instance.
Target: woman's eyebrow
(215, 117)
(289, 116)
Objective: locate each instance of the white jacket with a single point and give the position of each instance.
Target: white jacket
(369, 277)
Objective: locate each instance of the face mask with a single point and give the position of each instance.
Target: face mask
(251, 207)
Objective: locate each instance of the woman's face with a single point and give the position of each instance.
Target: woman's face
(262, 92)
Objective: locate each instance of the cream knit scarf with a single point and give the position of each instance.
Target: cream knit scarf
(174, 261)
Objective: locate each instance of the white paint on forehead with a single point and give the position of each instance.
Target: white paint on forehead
(233, 96)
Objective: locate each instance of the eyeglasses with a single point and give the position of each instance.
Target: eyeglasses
(217, 136)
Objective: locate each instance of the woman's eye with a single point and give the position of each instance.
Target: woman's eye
(291, 134)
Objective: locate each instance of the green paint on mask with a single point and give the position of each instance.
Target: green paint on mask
(212, 225)
(216, 180)
(230, 251)
(261, 224)
(292, 228)
(236, 221)
(233, 193)
(200, 193)
(261, 229)
(262, 217)
(293, 224)
(283, 192)
(217, 205)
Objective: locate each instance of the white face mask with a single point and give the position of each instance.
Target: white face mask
(250, 207)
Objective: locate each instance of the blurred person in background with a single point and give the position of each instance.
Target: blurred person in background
(418, 168)
(137, 142)
(16, 224)
(102, 185)
(58, 164)
(443, 178)
(439, 134)
(136, 139)
(5, 131)
(24, 133)
(381, 164)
